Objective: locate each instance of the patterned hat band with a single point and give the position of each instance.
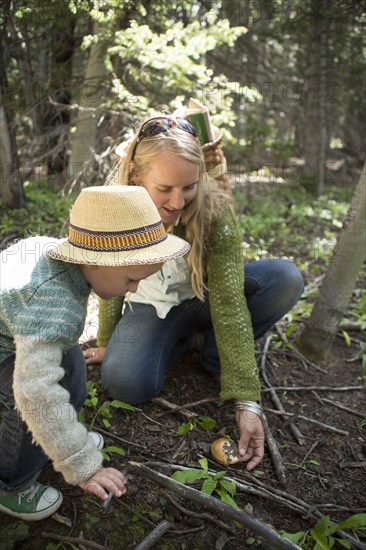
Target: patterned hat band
(116, 225)
(117, 241)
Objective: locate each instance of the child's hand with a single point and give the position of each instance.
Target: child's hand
(105, 480)
(94, 355)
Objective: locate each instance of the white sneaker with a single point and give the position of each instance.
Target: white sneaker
(97, 439)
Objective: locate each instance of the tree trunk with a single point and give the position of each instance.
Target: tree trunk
(315, 134)
(349, 254)
(11, 188)
(86, 121)
(23, 56)
(323, 78)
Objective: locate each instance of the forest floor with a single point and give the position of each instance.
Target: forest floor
(324, 463)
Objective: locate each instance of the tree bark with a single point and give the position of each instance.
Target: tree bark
(315, 134)
(11, 188)
(349, 254)
(86, 121)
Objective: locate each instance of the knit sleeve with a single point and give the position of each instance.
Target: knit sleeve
(45, 407)
(110, 312)
(229, 311)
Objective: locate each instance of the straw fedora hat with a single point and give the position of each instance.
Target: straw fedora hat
(116, 225)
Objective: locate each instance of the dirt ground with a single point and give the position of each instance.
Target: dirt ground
(325, 471)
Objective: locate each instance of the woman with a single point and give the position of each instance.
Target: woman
(202, 293)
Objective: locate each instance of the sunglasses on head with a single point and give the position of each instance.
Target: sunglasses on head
(157, 125)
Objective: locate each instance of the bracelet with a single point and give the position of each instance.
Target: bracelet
(251, 406)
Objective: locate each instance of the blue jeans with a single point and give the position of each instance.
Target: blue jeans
(21, 461)
(143, 346)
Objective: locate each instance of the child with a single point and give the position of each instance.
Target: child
(116, 238)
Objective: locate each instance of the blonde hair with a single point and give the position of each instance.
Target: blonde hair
(199, 215)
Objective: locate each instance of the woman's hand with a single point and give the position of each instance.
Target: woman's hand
(251, 442)
(94, 355)
(105, 480)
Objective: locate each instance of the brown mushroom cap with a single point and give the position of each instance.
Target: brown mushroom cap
(225, 451)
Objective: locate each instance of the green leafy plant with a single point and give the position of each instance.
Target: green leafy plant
(321, 537)
(101, 410)
(203, 422)
(252, 541)
(107, 451)
(224, 488)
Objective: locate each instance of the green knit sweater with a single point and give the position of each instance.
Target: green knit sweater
(42, 314)
(229, 312)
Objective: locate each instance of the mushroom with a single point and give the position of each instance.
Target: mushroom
(225, 451)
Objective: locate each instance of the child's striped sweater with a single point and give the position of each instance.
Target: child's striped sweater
(42, 313)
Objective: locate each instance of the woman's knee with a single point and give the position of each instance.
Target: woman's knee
(126, 383)
(288, 278)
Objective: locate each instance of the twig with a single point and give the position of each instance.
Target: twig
(181, 445)
(353, 339)
(311, 421)
(361, 464)
(274, 452)
(175, 408)
(213, 504)
(307, 361)
(275, 399)
(121, 439)
(155, 535)
(343, 407)
(187, 531)
(351, 326)
(73, 540)
(178, 408)
(309, 452)
(203, 516)
(316, 388)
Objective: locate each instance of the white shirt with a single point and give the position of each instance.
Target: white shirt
(167, 288)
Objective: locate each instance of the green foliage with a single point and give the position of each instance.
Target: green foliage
(284, 224)
(101, 410)
(46, 213)
(211, 484)
(165, 65)
(107, 451)
(321, 537)
(204, 422)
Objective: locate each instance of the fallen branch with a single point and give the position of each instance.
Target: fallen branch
(310, 420)
(213, 504)
(361, 464)
(274, 452)
(343, 407)
(351, 326)
(257, 488)
(155, 535)
(275, 399)
(311, 388)
(175, 408)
